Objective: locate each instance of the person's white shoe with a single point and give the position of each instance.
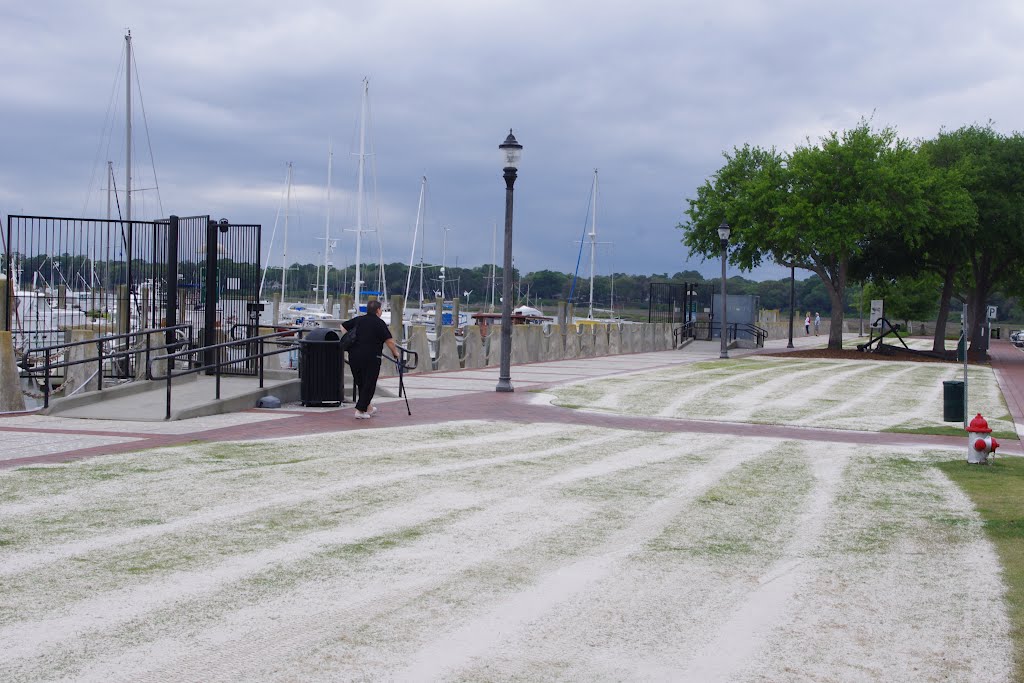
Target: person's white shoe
(360, 415)
(372, 411)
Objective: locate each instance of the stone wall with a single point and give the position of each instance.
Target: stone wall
(535, 344)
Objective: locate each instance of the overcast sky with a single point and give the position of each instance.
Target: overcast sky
(650, 93)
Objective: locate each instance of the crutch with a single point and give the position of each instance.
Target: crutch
(403, 364)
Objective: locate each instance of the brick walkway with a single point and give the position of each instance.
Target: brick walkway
(1008, 362)
(521, 407)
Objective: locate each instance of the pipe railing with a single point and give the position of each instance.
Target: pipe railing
(254, 349)
(129, 349)
(705, 331)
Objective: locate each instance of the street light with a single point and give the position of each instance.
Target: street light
(792, 303)
(511, 152)
(723, 235)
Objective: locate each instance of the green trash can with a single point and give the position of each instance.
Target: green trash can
(953, 401)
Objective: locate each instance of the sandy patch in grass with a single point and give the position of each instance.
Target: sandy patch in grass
(499, 552)
(879, 579)
(830, 394)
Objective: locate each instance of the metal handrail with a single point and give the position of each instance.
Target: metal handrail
(293, 335)
(49, 366)
(704, 329)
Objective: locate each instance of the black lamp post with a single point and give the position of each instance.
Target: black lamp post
(511, 152)
(723, 235)
(792, 303)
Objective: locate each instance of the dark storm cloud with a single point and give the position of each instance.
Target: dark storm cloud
(651, 93)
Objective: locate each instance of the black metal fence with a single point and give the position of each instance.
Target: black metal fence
(116, 276)
(672, 303)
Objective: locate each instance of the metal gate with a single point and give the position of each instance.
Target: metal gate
(117, 276)
(672, 303)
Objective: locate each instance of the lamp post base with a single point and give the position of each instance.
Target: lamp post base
(724, 354)
(504, 385)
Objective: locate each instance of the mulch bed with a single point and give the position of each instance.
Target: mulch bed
(890, 353)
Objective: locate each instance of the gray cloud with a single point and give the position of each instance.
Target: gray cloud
(649, 92)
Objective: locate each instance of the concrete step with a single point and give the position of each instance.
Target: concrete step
(191, 396)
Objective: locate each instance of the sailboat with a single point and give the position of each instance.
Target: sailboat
(591, 238)
(414, 312)
(71, 297)
(360, 229)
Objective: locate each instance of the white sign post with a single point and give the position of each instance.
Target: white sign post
(963, 333)
(876, 312)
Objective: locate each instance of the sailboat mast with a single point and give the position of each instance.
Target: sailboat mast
(327, 229)
(415, 234)
(359, 191)
(444, 257)
(494, 247)
(110, 186)
(593, 246)
(128, 127)
(284, 247)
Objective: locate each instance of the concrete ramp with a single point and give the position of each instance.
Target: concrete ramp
(191, 396)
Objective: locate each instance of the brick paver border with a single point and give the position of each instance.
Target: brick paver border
(520, 407)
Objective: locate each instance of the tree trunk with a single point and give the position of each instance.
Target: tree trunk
(835, 333)
(939, 341)
(834, 285)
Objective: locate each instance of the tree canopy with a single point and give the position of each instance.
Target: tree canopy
(822, 207)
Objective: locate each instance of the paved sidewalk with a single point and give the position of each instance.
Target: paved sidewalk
(1008, 364)
(459, 395)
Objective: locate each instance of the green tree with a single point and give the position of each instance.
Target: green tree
(906, 299)
(990, 167)
(815, 208)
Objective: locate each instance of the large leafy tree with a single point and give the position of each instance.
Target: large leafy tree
(816, 208)
(987, 252)
(938, 249)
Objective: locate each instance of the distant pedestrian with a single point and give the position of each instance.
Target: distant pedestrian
(364, 357)
(807, 324)
(817, 323)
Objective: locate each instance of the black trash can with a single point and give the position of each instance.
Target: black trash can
(953, 401)
(995, 332)
(320, 367)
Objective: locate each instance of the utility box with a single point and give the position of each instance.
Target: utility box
(320, 365)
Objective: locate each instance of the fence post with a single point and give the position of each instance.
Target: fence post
(171, 314)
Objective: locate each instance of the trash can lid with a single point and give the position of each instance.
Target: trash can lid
(321, 334)
(979, 425)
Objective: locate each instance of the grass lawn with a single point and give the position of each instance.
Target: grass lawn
(1001, 435)
(998, 494)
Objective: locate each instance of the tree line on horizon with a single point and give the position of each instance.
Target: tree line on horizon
(548, 288)
(925, 223)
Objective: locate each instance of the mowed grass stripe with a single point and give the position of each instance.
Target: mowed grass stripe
(997, 491)
(179, 507)
(544, 518)
(571, 570)
(138, 477)
(197, 546)
(862, 395)
(902, 560)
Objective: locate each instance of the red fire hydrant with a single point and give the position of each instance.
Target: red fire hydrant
(978, 444)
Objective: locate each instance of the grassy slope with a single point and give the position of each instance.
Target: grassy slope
(998, 494)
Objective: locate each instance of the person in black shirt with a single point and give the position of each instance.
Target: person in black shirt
(364, 356)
